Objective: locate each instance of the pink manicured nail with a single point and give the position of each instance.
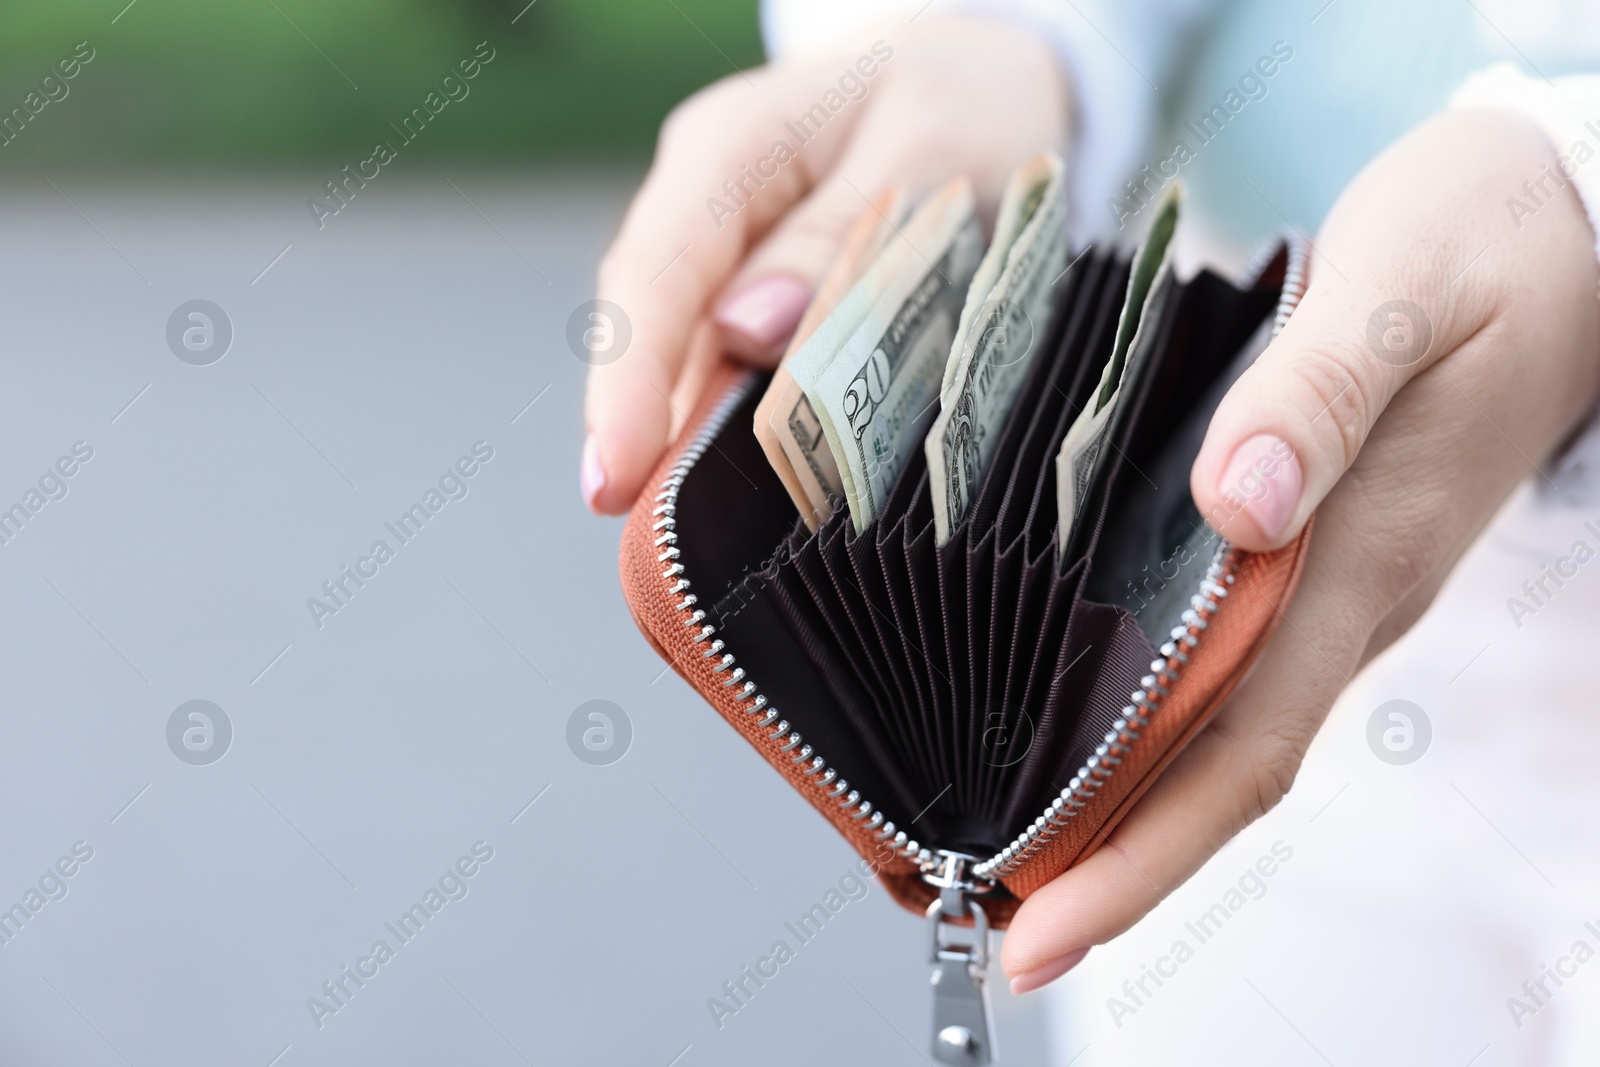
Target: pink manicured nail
(1028, 981)
(591, 475)
(760, 317)
(1263, 480)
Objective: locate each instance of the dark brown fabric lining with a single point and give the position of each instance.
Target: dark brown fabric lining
(960, 686)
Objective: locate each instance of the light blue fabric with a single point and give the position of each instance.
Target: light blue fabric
(1362, 74)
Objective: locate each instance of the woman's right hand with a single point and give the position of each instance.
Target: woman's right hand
(699, 271)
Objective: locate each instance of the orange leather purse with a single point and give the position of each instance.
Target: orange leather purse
(975, 717)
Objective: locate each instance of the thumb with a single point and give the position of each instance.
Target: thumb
(1293, 423)
(1378, 312)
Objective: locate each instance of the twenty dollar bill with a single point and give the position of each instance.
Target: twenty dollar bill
(785, 425)
(872, 370)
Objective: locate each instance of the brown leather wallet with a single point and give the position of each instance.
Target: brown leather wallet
(975, 717)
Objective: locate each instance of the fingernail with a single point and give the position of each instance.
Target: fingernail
(1028, 981)
(760, 317)
(1264, 481)
(591, 475)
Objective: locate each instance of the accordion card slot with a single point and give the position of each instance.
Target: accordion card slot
(970, 686)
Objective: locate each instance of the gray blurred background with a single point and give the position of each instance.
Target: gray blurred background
(427, 715)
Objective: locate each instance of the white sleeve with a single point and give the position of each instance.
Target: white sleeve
(1118, 56)
(1568, 110)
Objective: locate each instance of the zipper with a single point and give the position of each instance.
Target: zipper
(962, 1026)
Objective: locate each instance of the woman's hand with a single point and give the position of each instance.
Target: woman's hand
(1441, 351)
(728, 235)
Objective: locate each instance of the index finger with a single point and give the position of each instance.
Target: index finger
(676, 249)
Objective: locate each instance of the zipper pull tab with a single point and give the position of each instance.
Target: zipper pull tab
(962, 1027)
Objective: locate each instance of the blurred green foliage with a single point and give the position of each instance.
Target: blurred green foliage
(202, 81)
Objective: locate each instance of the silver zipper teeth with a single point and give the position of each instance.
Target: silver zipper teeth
(1294, 283)
(1143, 703)
(787, 739)
(1294, 274)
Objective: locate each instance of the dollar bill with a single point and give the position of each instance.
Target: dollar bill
(1148, 286)
(1006, 311)
(807, 422)
(872, 370)
(785, 425)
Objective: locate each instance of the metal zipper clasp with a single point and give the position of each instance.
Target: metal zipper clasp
(962, 1027)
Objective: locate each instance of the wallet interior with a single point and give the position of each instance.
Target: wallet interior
(961, 686)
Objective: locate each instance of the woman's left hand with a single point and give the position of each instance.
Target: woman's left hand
(1445, 346)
